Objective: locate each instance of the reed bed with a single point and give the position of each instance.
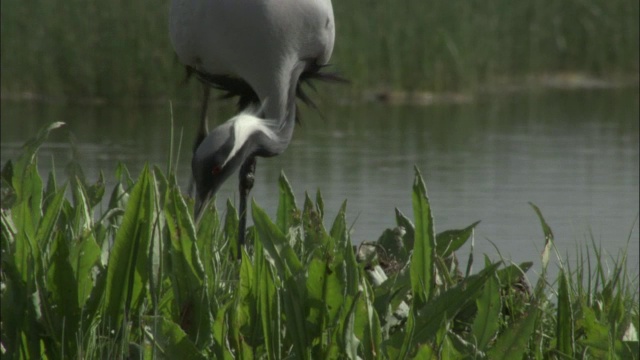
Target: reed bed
(139, 279)
(120, 50)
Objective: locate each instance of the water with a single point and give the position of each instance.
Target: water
(574, 154)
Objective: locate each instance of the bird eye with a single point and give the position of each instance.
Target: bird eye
(216, 170)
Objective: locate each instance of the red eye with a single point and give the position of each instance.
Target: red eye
(216, 170)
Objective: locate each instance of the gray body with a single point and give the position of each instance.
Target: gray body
(269, 44)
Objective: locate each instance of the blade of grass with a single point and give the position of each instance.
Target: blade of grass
(564, 328)
(422, 259)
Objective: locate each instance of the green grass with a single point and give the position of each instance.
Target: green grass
(139, 279)
(79, 49)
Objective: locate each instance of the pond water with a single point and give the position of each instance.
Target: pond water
(575, 154)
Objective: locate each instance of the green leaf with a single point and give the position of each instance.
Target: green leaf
(289, 268)
(325, 295)
(50, 190)
(409, 228)
(8, 234)
(409, 333)
(339, 230)
(62, 307)
(316, 277)
(123, 176)
(119, 197)
(244, 314)
(246, 282)
(212, 245)
(464, 348)
(597, 336)
(511, 274)
(8, 197)
(209, 228)
(28, 204)
(320, 204)
(82, 220)
(294, 301)
(372, 340)
(448, 348)
(351, 341)
(21, 314)
(92, 305)
(451, 240)
(513, 342)
(221, 332)
(127, 271)
(170, 341)
(83, 257)
(422, 259)
(548, 237)
(445, 307)
(391, 295)
(564, 328)
(85, 252)
(269, 305)
(426, 352)
(28, 191)
(26, 217)
(95, 192)
(28, 158)
(187, 271)
(315, 234)
(286, 206)
(486, 324)
(275, 243)
(48, 223)
(231, 227)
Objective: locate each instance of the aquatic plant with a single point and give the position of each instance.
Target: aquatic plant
(140, 279)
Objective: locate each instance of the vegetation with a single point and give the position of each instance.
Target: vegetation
(142, 280)
(120, 50)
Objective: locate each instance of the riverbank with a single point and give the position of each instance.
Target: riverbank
(567, 81)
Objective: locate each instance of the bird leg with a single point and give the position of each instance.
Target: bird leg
(203, 130)
(247, 176)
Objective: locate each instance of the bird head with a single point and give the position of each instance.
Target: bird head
(209, 165)
(224, 150)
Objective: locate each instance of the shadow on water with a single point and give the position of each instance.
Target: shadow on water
(574, 154)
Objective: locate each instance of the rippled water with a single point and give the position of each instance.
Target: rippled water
(574, 154)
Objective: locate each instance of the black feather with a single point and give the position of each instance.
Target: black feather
(236, 87)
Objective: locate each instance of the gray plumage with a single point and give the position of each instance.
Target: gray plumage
(260, 51)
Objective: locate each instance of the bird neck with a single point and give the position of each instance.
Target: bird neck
(280, 117)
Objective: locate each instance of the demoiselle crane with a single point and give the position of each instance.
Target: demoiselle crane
(261, 51)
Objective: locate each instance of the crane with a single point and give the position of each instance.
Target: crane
(260, 51)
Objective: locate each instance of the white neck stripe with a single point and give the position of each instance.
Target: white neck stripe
(246, 124)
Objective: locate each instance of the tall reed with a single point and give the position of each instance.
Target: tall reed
(120, 50)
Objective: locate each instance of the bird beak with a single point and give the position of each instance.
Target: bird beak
(200, 205)
(197, 209)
